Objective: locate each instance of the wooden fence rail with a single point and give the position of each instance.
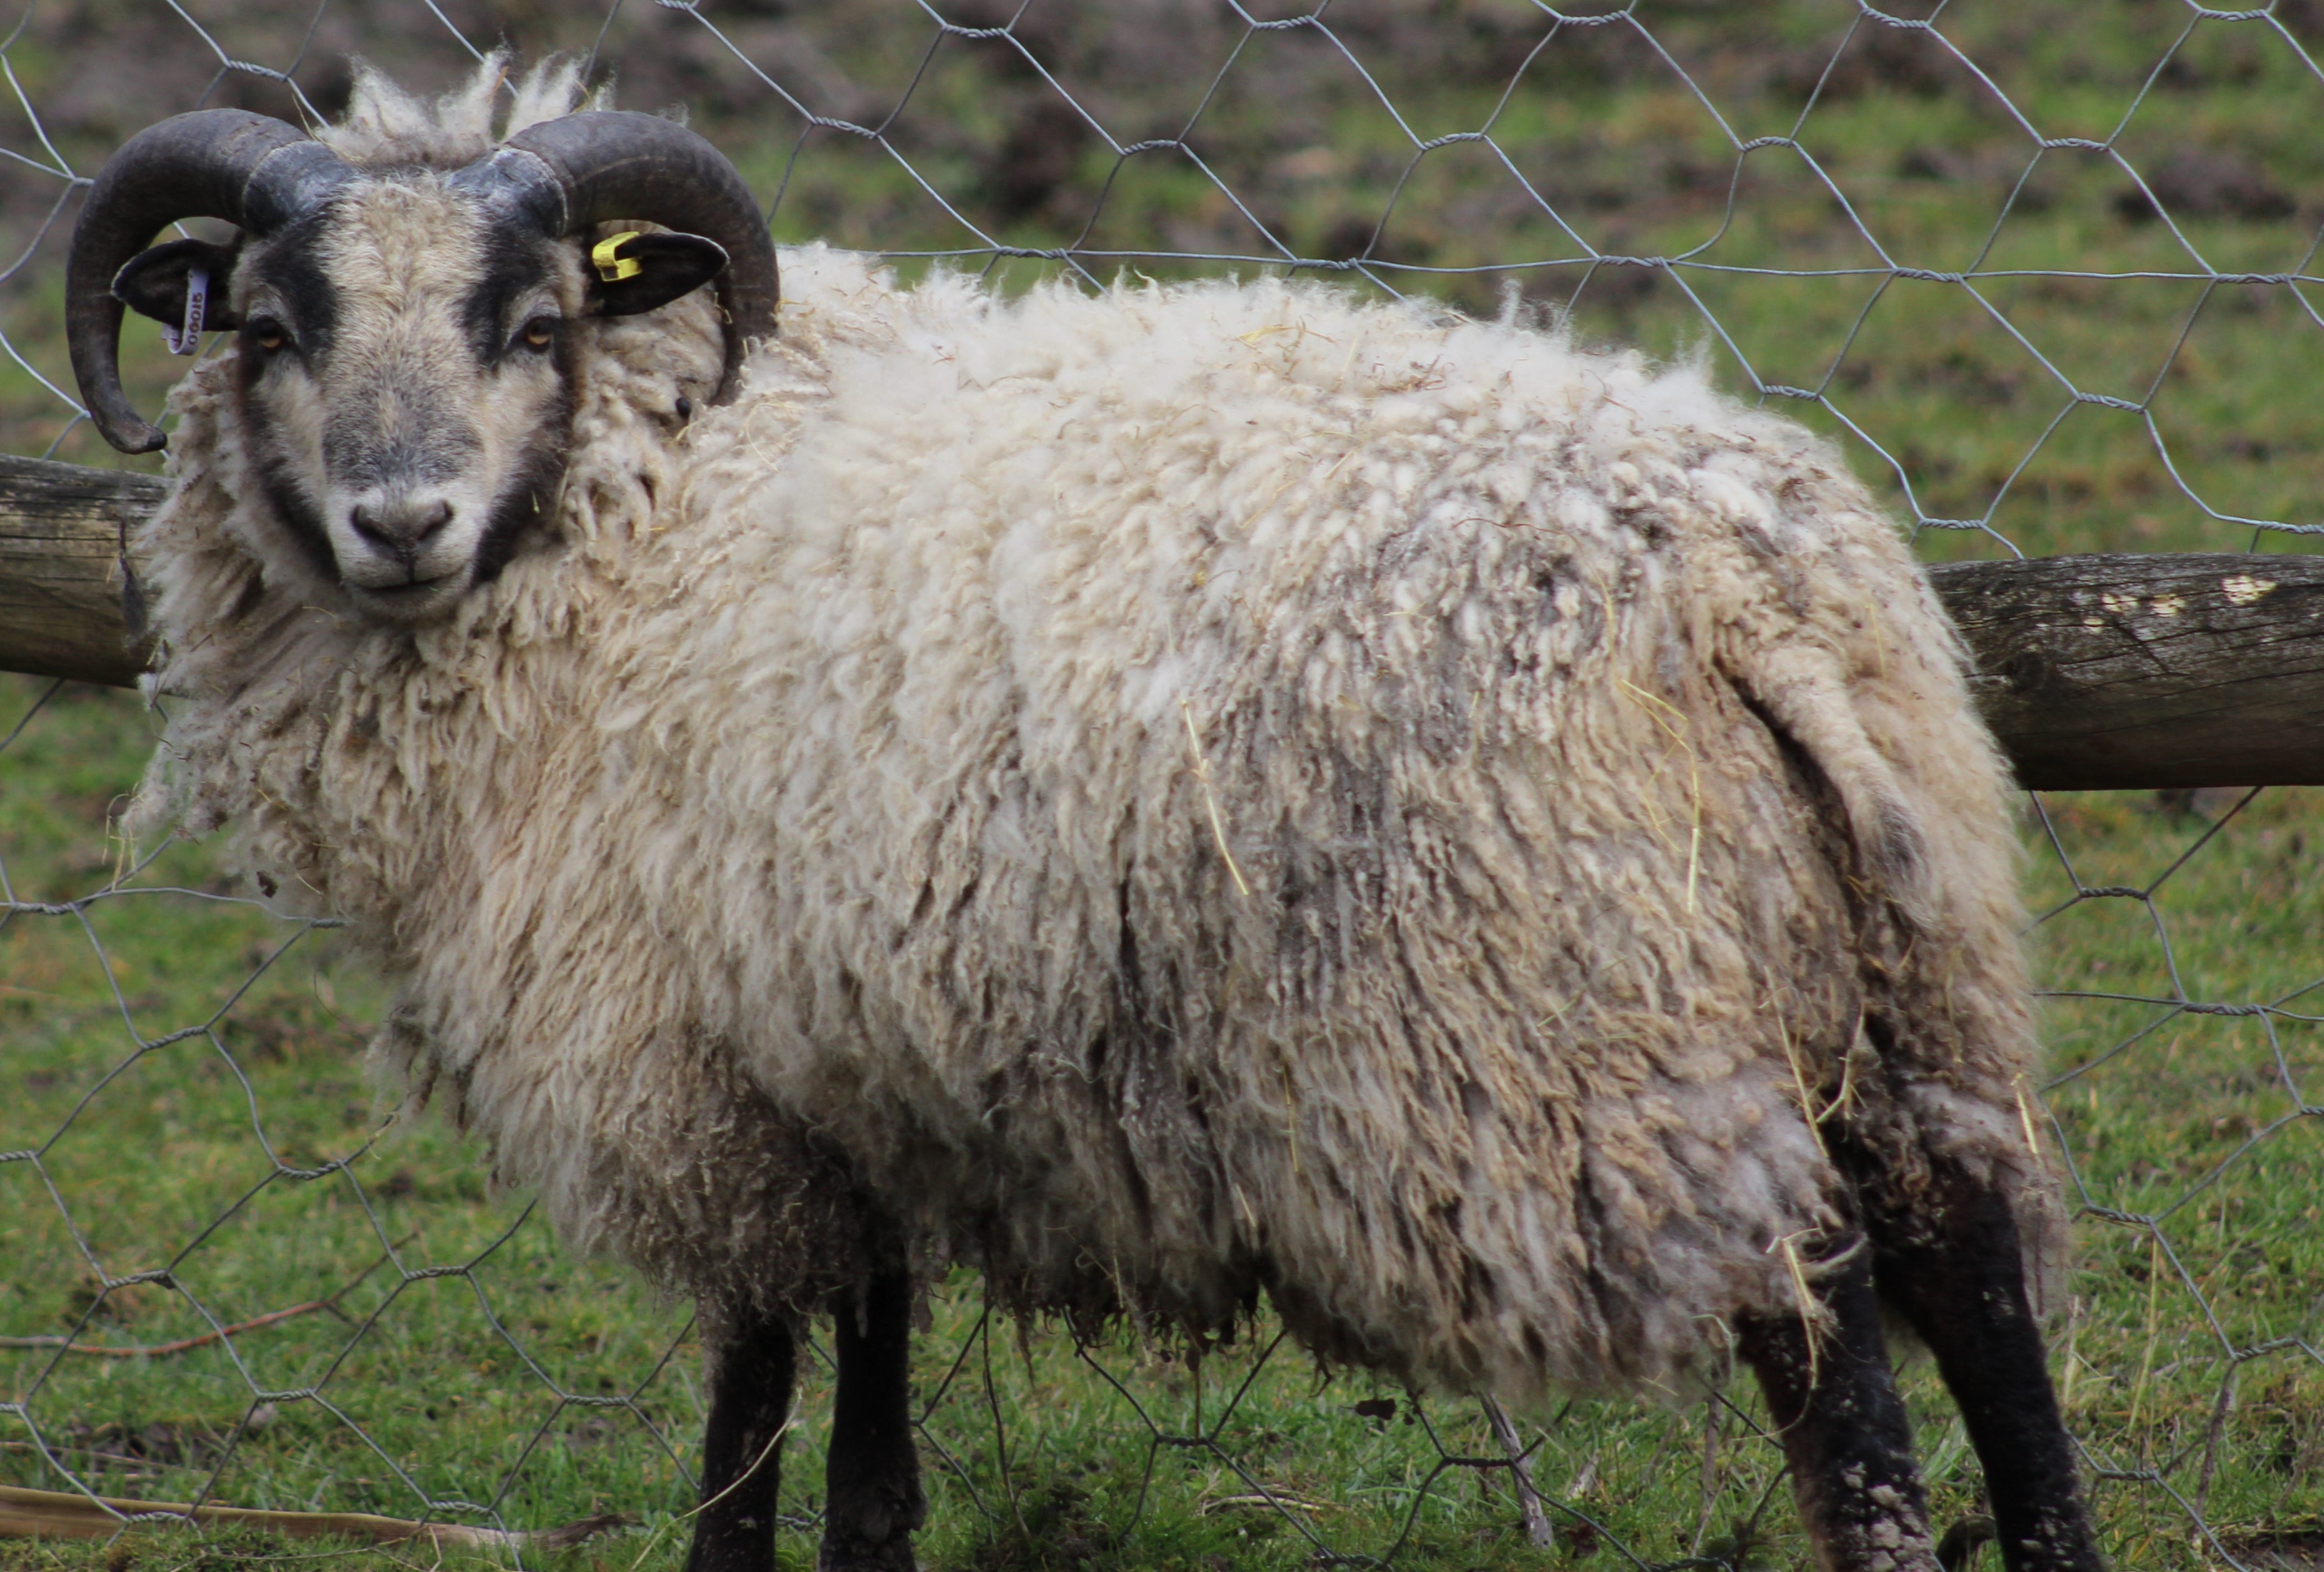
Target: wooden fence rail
(63, 530)
(2094, 672)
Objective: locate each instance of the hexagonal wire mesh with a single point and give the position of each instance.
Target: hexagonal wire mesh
(2048, 271)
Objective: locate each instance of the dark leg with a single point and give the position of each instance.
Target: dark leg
(750, 1371)
(874, 1478)
(1956, 1276)
(1835, 1405)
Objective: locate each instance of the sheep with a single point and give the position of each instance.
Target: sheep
(1175, 794)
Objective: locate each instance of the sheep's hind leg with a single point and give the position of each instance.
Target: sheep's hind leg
(1959, 1281)
(752, 1363)
(1842, 1424)
(873, 1475)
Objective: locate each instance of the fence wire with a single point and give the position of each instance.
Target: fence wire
(2048, 271)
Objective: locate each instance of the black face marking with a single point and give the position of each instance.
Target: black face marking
(309, 298)
(304, 293)
(517, 264)
(514, 267)
(531, 495)
(297, 511)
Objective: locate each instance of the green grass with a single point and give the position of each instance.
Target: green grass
(464, 1359)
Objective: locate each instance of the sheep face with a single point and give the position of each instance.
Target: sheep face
(405, 378)
(405, 386)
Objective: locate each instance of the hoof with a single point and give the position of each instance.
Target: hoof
(873, 1532)
(744, 1543)
(855, 1553)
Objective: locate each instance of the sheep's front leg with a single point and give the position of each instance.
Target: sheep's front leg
(1955, 1274)
(752, 1361)
(873, 1475)
(1842, 1424)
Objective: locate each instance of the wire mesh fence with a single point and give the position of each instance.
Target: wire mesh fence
(2048, 272)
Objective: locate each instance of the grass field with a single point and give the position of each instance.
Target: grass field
(462, 1360)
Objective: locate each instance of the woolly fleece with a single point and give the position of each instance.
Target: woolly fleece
(1191, 790)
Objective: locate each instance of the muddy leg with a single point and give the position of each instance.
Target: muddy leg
(1843, 1428)
(1959, 1280)
(751, 1364)
(873, 1477)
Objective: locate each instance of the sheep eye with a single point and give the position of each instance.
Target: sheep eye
(269, 335)
(539, 334)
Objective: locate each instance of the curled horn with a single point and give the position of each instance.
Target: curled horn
(249, 170)
(608, 163)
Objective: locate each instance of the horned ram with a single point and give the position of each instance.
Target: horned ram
(1178, 794)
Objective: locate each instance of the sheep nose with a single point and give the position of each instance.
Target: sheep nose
(398, 526)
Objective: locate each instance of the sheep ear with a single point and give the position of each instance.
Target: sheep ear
(632, 272)
(152, 283)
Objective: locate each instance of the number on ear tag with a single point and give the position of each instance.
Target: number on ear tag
(187, 340)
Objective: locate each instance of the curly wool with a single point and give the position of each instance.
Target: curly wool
(1243, 788)
(1192, 790)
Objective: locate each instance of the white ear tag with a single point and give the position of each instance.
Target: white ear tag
(197, 302)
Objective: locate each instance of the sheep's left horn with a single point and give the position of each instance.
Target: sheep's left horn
(610, 163)
(247, 169)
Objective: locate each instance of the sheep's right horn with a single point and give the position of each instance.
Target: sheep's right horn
(249, 170)
(613, 163)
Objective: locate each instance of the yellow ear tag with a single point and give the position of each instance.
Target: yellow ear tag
(611, 266)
